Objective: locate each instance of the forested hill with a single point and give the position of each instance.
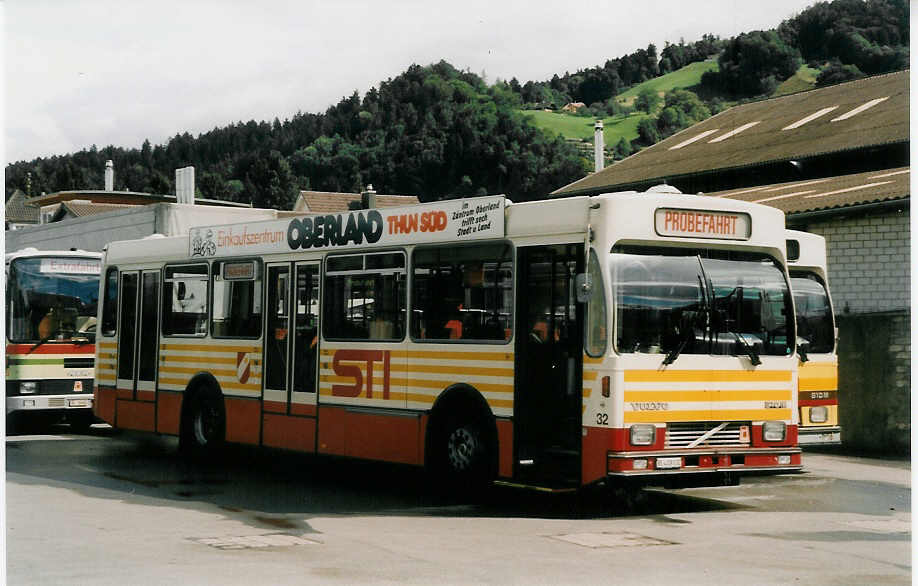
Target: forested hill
(439, 132)
(433, 131)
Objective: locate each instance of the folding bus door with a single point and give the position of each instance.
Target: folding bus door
(289, 406)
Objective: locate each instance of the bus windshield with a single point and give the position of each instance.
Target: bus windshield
(815, 325)
(52, 299)
(700, 302)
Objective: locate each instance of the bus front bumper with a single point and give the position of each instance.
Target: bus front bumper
(819, 436)
(738, 461)
(34, 403)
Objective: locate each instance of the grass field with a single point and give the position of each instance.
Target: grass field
(804, 79)
(683, 78)
(568, 126)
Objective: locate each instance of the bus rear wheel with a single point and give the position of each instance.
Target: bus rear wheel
(463, 457)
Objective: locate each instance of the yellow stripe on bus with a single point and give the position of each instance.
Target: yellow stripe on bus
(209, 348)
(776, 395)
(438, 355)
(256, 388)
(707, 415)
(818, 376)
(111, 345)
(683, 376)
(446, 369)
(194, 370)
(198, 359)
(395, 383)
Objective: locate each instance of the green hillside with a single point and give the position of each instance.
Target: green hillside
(686, 77)
(804, 79)
(570, 126)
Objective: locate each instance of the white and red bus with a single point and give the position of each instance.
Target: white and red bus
(817, 396)
(51, 299)
(553, 344)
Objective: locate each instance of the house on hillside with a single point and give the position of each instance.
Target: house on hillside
(836, 161)
(18, 213)
(573, 107)
(328, 202)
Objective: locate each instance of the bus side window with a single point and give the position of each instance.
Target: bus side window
(462, 292)
(185, 300)
(365, 297)
(110, 302)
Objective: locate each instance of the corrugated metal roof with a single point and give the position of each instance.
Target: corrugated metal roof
(827, 193)
(845, 117)
(17, 211)
(323, 202)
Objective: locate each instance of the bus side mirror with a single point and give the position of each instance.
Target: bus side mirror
(584, 287)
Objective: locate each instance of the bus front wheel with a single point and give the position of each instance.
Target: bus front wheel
(463, 456)
(204, 423)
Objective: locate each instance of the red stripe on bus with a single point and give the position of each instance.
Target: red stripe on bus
(104, 404)
(292, 433)
(146, 395)
(136, 416)
(300, 409)
(168, 412)
(390, 438)
(50, 348)
(125, 394)
(815, 402)
(274, 407)
(505, 448)
(243, 420)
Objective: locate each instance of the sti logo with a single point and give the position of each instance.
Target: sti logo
(361, 383)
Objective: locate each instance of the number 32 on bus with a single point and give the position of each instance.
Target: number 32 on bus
(555, 344)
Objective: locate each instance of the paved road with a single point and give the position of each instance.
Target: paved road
(122, 509)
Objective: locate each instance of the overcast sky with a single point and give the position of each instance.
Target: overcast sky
(98, 72)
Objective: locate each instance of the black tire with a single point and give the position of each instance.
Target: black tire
(80, 422)
(463, 456)
(203, 428)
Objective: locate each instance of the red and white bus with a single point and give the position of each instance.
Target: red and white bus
(816, 340)
(51, 305)
(553, 344)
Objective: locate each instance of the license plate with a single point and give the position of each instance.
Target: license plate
(674, 462)
(80, 403)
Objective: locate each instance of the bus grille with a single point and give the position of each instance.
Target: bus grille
(57, 402)
(684, 435)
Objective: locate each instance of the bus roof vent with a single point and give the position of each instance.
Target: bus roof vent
(663, 188)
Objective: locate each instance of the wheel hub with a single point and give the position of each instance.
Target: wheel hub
(462, 448)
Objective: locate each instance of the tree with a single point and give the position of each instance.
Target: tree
(836, 72)
(753, 64)
(647, 100)
(622, 148)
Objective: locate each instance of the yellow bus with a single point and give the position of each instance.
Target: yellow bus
(552, 344)
(817, 396)
(51, 305)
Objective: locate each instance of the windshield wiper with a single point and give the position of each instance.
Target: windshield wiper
(44, 340)
(688, 321)
(750, 350)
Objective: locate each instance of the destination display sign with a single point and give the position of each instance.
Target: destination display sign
(456, 220)
(70, 266)
(703, 224)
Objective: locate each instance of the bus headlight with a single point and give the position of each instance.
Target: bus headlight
(643, 434)
(28, 388)
(774, 431)
(819, 414)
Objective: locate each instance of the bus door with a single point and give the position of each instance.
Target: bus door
(548, 365)
(148, 335)
(277, 338)
(138, 340)
(291, 340)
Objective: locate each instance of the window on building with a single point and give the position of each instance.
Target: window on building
(365, 297)
(463, 292)
(185, 300)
